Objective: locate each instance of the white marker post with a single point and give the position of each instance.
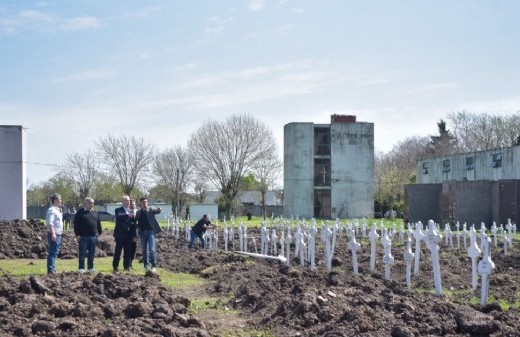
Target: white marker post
(465, 235)
(447, 232)
(432, 239)
(458, 235)
(494, 230)
(485, 268)
(418, 235)
(328, 248)
(288, 244)
(388, 259)
(312, 245)
(373, 236)
(353, 246)
(408, 258)
(274, 240)
(474, 254)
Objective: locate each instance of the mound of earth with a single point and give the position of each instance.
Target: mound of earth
(72, 304)
(287, 300)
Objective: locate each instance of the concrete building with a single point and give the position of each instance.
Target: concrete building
(496, 164)
(329, 169)
(473, 187)
(13, 203)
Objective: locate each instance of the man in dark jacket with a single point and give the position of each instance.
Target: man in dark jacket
(198, 230)
(124, 234)
(148, 227)
(87, 227)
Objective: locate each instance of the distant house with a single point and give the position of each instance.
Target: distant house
(245, 197)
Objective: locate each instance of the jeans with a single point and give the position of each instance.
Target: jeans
(148, 245)
(54, 248)
(193, 236)
(87, 248)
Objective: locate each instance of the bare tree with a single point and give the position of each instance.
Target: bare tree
(128, 157)
(225, 151)
(82, 169)
(267, 170)
(477, 132)
(174, 169)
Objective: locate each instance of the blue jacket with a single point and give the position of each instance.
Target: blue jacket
(125, 226)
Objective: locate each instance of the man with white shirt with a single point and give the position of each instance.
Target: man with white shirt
(54, 220)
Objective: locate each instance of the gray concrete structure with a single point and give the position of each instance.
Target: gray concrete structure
(496, 164)
(13, 202)
(329, 169)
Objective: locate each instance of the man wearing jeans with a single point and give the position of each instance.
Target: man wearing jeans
(54, 231)
(148, 227)
(87, 227)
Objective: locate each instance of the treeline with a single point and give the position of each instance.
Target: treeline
(222, 155)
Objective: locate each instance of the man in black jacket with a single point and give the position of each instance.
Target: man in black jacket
(124, 234)
(198, 230)
(148, 228)
(87, 227)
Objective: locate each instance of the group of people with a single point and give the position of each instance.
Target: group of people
(130, 224)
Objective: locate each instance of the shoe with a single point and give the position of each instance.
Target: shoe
(115, 270)
(126, 269)
(81, 271)
(92, 270)
(154, 270)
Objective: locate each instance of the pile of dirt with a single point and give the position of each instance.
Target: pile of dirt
(28, 239)
(72, 304)
(287, 300)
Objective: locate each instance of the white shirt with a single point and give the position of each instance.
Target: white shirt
(54, 219)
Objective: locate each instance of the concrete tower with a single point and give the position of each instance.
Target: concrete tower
(329, 169)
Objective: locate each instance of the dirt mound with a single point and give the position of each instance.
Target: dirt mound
(72, 304)
(28, 239)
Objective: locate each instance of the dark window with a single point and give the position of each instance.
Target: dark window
(322, 206)
(446, 165)
(469, 163)
(497, 160)
(322, 141)
(321, 171)
(425, 168)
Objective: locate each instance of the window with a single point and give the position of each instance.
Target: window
(497, 160)
(446, 165)
(425, 167)
(469, 163)
(322, 141)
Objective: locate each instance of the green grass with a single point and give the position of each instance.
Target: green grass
(27, 267)
(218, 305)
(250, 333)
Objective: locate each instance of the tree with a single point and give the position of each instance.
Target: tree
(478, 132)
(225, 151)
(82, 170)
(267, 170)
(128, 157)
(443, 144)
(249, 183)
(396, 168)
(106, 189)
(174, 169)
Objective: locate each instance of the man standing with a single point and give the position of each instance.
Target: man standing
(54, 231)
(198, 230)
(133, 244)
(148, 227)
(124, 234)
(87, 227)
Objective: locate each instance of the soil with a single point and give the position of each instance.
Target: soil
(269, 296)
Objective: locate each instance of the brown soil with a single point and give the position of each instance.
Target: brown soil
(287, 301)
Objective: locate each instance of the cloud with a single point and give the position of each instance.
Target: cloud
(432, 87)
(87, 22)
(36, 16)
(255, 5)
(498, 106)
(86, 75)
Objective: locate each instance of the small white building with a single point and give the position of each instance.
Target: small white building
(13, 200)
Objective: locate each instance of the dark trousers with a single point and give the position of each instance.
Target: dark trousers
(126, 247)
(133, 249)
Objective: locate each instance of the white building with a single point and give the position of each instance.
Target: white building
(329, 169)
(13, 201)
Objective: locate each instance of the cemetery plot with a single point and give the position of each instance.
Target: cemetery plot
(286, 297)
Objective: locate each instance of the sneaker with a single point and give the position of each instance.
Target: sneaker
(154, 270)
(81, 271)
(126, 269)
(115, 270)
(92, 270)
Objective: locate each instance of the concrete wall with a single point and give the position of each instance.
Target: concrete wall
(298, 170)
(352, 170)
(13, 203)
(483, 167)
(473, 202)
(423, 202)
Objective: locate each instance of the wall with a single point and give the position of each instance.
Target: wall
(13, 203)
(423, 202)
(298, 170)
(352, 164)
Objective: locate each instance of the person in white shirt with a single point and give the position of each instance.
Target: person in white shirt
(54, 219)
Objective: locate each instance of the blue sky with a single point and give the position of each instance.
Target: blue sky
(73, 71)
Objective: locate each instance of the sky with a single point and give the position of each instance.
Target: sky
(74, 71)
